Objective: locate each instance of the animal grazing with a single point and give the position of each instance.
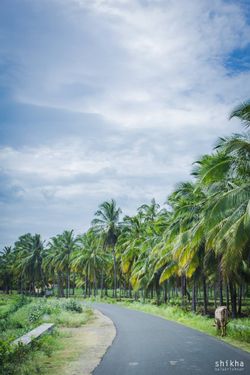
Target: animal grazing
(221, 319)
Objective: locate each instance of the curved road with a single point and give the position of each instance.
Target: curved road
(148, 345)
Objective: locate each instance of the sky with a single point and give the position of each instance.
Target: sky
(104, 99)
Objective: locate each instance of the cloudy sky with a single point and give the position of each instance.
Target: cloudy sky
(111, 98)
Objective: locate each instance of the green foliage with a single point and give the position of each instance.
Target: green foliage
(21, 359)
(239, 329)
(35, 314)
(14, 305)
(11, 357)
(73, 305)
(24, 360)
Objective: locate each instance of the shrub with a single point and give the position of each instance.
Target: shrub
(11, 357)
(35, 315)
(16, 359)
(3, 324)
(72, 305)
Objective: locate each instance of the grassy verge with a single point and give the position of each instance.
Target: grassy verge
(19, 315)
(238, 330)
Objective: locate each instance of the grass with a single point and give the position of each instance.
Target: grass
(72, 319)
(19, 315)
(238, 330)
(56, 351)
(70, 345)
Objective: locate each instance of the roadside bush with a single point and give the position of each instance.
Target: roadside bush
(52, 307)
(72, 305)
(3, 324)
(240, 330)
(11, 357)
(37, 311)
(176, 301)
(18, 359)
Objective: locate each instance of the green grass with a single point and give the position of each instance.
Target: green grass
(18, 316)
(40, 310)
(71, 319)
(238, 330)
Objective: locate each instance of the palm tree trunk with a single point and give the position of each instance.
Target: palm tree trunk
(220, 283)
(165, 292)
(21, 285)
(168, 286)
(233, 296)
(215, 295)
(60, 290)
(221, 289)
(90, 290)
(86, 286)
(158, 293)
(240, 300)
(130, 291)
(183, 289)
(102, 277)
(204, 284)
(73, 286)
(152, 292)
(94, 284)
(194, 294)
(43, 281)
(227, 296)
(115, 274)
(68, 283)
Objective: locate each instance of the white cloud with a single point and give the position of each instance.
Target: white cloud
(162, 60)
(153, 71)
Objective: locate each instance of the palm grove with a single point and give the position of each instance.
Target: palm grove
(193, 252)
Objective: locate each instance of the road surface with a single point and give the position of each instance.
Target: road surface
(149, 345)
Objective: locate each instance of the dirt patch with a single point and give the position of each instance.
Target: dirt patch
(89, 344)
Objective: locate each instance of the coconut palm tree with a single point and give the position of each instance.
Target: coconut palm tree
(29, 251)
(183, 252)
(149, 211)
(62, 246)
(226, 177)
(89, 260)
(6, 269)
(106, 223)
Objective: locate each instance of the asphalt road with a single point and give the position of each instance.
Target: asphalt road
(148, 345)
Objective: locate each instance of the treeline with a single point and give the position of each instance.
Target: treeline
(196, 249)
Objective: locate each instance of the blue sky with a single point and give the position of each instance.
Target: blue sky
(111, 98)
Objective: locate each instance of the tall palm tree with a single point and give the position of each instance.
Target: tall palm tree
(149, 211)
(107, 224)
(29, 256)
(62, 246)
(89, 260)
(226, 176)
(6, 269)
(183, 253)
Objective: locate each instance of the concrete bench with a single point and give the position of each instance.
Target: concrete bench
(34, 334)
